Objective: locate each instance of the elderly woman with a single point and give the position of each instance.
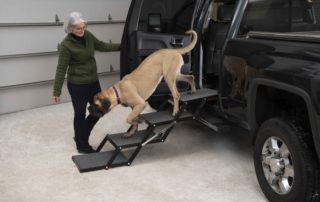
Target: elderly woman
(76, 57)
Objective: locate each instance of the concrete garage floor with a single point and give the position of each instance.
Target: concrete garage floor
(193, 165)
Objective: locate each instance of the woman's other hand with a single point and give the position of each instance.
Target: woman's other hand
(56, 99)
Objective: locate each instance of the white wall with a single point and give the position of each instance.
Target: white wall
(45, 39)
(45, 10)
(26, 82)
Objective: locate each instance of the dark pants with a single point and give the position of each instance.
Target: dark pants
(80, 96)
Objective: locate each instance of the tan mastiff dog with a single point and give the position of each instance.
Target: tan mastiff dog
(135, 88)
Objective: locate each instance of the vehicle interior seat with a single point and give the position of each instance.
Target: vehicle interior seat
(215, 38)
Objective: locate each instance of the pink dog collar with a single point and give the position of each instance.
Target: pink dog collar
(117, 94)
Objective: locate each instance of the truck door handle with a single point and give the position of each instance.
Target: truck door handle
(176, 42)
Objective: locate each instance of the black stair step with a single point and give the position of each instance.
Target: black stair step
(118, 141)
(98, 161)
(185, 115)
(199, 94)
(164, 117)
(158, 118)
(209, 116)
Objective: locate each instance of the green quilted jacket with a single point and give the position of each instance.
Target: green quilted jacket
(78, 60)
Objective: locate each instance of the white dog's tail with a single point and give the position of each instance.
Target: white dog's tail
(189, 47)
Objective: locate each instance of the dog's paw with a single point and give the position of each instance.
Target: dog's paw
(127, 135)
(138, 120)
(174, 113)
(191, 92)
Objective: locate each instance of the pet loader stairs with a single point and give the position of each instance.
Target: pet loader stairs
(126, 149)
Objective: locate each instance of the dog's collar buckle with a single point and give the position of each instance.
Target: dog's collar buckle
(117, 94)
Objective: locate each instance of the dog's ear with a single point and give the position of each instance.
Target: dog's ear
(106, 104)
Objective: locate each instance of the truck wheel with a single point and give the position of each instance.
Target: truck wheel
(286, 168)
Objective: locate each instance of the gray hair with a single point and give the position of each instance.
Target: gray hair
(73, 18)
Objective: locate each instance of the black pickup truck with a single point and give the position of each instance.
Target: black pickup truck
(263, 58)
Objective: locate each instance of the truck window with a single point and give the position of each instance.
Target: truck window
(281, 16)
(166, 16)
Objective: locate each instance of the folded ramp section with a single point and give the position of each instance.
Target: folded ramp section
(99, 160)
(121, 157)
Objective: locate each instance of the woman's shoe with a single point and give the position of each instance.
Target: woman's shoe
(86, 150)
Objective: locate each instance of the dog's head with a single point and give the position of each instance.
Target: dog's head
(101, 105)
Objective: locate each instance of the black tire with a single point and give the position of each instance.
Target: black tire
(300, 185)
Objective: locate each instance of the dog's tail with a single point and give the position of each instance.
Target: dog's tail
(190, 46)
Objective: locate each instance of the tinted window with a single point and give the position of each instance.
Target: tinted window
(281, 16)
(166, 16)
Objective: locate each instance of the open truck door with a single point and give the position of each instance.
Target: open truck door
(157, 24)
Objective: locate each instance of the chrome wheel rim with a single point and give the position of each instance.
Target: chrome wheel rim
(277, 165)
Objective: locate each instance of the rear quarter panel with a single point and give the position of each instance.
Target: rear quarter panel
(292, 66)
